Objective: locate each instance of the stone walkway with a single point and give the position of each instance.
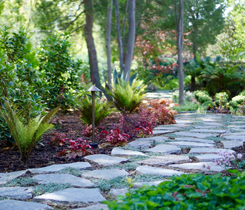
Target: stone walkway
(173, 150)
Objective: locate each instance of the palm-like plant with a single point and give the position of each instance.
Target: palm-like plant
(26, 132)
(102, 109)
(127, 96)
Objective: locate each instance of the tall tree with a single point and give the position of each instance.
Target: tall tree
(180, 33)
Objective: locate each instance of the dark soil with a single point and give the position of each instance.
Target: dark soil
(44, 153)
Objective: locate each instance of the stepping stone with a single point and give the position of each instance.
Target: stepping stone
(209, 150)
(155, 132)
(194, 140)
(208, 131)
(164, 148)
(58, 167)
(207, 157)
(22, 205)
(153, 138)
(198, 166)
(105, 160)
(164, 160)
(191, 144)
(141, 144)
(105, 174)
(116, 192)
(163, 127)
(155, 170)
(234, 134)
(231, 144)
(63, 179)
(95, 207)
(153, 183)
(213, 124)
(72, 196)
(183, 121)
(18, 193)
(5, 177)
(122, 152)
(204, 127)
(235, 137)
(196, 135)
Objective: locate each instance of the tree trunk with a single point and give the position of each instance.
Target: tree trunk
(108, 41)
(180, 49)
(88, 31)
(195, 51)
(120, 44)
(193, 83)
(131, 39)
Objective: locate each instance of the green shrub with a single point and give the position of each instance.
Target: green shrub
(202, 96)
(188, 106)
(223, 96)
(188, 191)
(239, 99)
(233, 104)
(127, 96)
(26, 131)
(102, 109)
(172, 84)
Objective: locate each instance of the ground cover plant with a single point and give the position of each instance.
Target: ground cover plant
(188, 191)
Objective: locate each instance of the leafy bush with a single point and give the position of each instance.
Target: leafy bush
(127, 96)
(188, 191)
(187, 106)
(223, 96)
(26, 131)
(239, 99)
(115, 138)
(202, 96)
(102, 109)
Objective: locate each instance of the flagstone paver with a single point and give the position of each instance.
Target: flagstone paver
(95, 207)
(207, 157)
(63, 179)
(194, 140)
(208, 131)
(235, 137)
(72, 196)
(231, 144)
(116, 192)
(58, 167)
(122, 152)
(197, 135)
(156, 132)
(191, 144)
(155, 170)
(164, 160)
(209, 150)
(22, 205)
(165, 148)
(105, 174)
(105, 160)
(202, 166)
(5, 177)
(18, 193)
(141, 144)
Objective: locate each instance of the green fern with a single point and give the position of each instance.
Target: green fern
(102, 109)
(26, 132)
(127, 97)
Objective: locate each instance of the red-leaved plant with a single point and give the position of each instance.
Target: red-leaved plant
(77, 148)
(114, 138)
(57, 138)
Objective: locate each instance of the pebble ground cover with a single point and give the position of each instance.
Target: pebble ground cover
(188, 147)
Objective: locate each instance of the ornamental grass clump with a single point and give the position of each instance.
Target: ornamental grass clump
(127, 96)
(103, 108)
(26, 131)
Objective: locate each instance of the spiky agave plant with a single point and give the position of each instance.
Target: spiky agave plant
(26, 132)
(127, 96)
(102, 109)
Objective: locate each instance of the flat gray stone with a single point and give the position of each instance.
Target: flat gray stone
(198, 166)
(155, 132)
(231, 144)
(58, 167)
(154, 138)
(105, 174)
(116, 192)
(18, 193)
(178, 121)
(164, 148)
(105, 160)
(208, 131)
(155, 170)
(207, 157)
(205, 127)
(95, 207)
(72, 196)
(163, 127)
(235, 137)
(196, 135)
(234, 134)
(194, 140)
(213, 124)
(5, 177)
(209, 150)
(141, 144)
(191, 144)
(164, 160)
(153, 183)
(63, 179)
(122, 152)
(22, 205)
